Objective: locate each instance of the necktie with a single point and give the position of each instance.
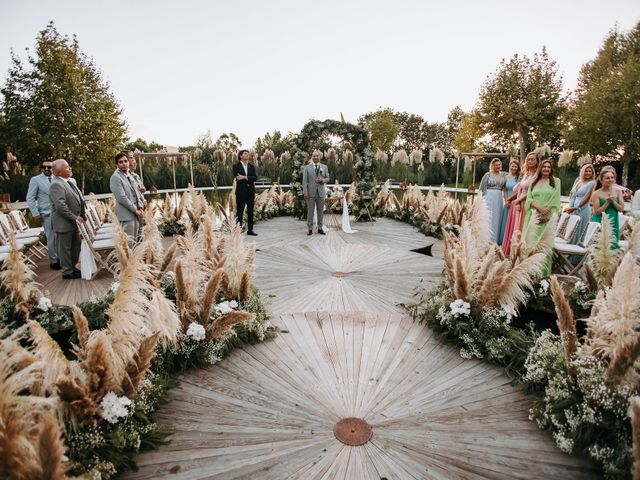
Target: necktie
(317, 169)
(49, 178)
(79, 195)
(133, 187)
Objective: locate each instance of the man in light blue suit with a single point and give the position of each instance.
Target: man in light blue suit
(128, 204)
(40, 207)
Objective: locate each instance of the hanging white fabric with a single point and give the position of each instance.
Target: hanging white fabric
(87, 262)
(346, 224)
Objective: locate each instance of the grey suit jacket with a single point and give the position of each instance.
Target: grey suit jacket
(66, 205)
(126, 198)
(309, 185)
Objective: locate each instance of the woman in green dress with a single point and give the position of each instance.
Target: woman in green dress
(609, 200)
(543, 199)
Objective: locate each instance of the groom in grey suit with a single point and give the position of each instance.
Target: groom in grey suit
(314, 178)
(67, 208)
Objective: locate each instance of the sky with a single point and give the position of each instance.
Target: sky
(181, 68)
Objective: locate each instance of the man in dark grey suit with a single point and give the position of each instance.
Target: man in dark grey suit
(314, 178)
(128, 204)
(67, 208)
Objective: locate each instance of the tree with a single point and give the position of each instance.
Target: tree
(605, 119)
(229, 142)
(469, 133)
(523, 100)
(57, 106)
(382, 127)
(275, 142)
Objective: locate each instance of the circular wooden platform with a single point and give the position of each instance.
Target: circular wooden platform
(269, 410)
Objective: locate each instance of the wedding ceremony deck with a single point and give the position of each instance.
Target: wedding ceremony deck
(346, 349)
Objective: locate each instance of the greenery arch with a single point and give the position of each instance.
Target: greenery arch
(357, 138)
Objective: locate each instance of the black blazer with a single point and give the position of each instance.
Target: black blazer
(245, 186)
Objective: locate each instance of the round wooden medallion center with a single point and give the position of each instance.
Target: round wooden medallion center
(353, 431)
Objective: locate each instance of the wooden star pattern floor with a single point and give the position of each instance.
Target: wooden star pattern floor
(348, 350)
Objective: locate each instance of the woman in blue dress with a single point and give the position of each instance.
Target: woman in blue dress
(512, 179)
(491, 187)
(580, 198)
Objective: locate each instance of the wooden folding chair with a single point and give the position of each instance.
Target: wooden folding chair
(566, 233)
(100, 249)
(564, 251)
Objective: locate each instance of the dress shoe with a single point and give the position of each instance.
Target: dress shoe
(321, 232)
(75, 270)
(71, 276)
(55, 266)
(309, 232)
(252, 233)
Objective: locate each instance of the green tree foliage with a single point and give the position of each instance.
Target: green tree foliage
(605, 119)
(57, 106)
(523, 100)
(469, 133)
(229, 142)
(382, 127)
(142, 146)
(275, 142)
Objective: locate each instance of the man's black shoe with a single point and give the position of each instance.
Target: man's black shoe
(71, 276)
(55, 266)
(252, 233)
(309, 232)
(321, 232)
(75, 270)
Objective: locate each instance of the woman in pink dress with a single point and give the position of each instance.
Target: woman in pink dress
(515, 221)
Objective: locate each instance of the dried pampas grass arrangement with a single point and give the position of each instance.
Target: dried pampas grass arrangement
(16, 278)
(603, 259)
(565, 158)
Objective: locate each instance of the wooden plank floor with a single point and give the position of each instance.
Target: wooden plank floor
(268, 410)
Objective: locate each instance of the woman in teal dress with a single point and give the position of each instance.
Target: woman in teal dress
(580, 199)
(609, 200)
(543, 199)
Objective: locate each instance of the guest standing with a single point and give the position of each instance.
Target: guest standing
(40, 207)
(491, 186)
(314, 177)
(139, 187)
(128, 206)
(580, 197)
(608, 200)
(67, 210)
(511, 180)
(543, 200)
(515, 221)
(245, 175)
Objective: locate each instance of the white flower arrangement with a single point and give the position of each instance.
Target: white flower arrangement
(226, 307)
(44, 304)
(460, 307)
(114, 286)
(196, 332)
(580, 286)
(544, 288)
(114, 407)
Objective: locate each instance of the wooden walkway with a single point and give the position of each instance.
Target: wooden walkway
(347, 349)
(268, 411)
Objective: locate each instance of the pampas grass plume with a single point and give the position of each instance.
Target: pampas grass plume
(566, 322)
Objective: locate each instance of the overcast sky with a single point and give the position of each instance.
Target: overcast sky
(180, 68)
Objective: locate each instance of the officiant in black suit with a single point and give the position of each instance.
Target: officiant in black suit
(245, 175)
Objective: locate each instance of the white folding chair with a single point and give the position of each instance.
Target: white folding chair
(566, 234)
(564, 251)
(100, 249)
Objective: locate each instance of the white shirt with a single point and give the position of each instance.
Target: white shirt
(246, 168)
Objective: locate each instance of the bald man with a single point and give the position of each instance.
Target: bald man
(67, 208)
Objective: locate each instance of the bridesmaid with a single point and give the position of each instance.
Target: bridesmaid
(491, 187)
(580, 197)
(609, 200)
(543, 199)
(517, 213)
(509, 196)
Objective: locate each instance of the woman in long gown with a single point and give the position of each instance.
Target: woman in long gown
(580, 198)
(491, 186)
(543, 200)
(512, 179)
(515, 221)
(608, 200)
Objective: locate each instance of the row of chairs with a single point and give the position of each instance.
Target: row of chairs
(99, 237)
(14, 225)
(564, 250)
